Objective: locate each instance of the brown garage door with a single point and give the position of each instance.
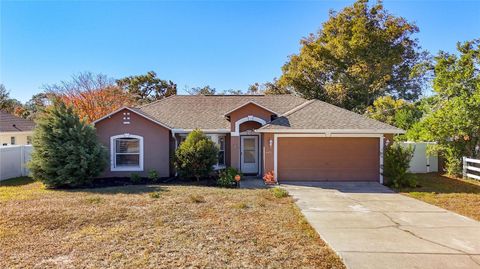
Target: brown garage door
(328, 159)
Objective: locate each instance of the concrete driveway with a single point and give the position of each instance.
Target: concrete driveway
(370, 226)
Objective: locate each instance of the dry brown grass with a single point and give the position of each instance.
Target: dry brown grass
(461, 196)
(176, 226)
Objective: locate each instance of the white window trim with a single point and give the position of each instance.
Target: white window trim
(374, 135)
(245, 119)
(113, 155)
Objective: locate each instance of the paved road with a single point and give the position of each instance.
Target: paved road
(370, 226)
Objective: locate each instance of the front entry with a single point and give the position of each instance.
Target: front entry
(249, 154)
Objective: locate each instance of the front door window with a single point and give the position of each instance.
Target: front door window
(249, 154)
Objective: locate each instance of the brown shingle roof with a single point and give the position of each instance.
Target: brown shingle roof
(11, 123)
(318, 115)
(208, 111)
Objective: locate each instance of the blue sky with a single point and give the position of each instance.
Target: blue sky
(224, 44)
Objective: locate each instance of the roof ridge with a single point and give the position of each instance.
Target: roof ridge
(291, 111)
(297, 108)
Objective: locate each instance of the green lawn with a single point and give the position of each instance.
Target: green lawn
(458, 195)
(157, 226)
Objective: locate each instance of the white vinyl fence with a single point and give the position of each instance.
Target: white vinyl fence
(471, 168)
(421, 161)
(13, 160)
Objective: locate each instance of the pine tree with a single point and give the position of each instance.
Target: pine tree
(66, 151)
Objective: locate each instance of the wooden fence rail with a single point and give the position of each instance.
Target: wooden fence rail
(471, 166)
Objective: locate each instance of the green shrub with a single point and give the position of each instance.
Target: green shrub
(279, 192)
(196, 156)
(396, 163)
(135, 178)
(66, 152)
(153, 175)
(226, 177)
(453, 161)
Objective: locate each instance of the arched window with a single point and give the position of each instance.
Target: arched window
(126, 152)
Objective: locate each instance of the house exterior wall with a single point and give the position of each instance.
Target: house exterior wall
(228, 150)
(245, 111)
(20, 138)
(235, 152)
(268, 152)
(249, 110)
(388, 137)
(156, 142)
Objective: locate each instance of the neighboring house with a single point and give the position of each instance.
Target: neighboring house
(15, 130)
(295, 138)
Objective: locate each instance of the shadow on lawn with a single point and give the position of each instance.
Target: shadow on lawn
(15, 182)
(438, 183)
(117, 185)
(127, 189)
(125, 186)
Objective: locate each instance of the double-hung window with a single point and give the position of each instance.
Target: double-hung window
(126, 153)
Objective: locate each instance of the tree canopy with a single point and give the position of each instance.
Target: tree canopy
(147, 88)
(454, 118)
(396, 112)
(8, 104)
(91, 95)
(206, 90)
(359, 54)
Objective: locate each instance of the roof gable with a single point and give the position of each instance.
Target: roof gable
(134, 110)
(248, 103)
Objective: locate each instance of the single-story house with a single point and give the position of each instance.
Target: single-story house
(292, 137)
(15, 130)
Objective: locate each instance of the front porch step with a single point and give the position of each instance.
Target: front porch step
(252, 182)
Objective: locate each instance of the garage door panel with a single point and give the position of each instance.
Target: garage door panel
(328, 159)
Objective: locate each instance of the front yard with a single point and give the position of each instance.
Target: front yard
(154, 226)
(457, 195)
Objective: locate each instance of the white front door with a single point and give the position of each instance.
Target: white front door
(249, 154)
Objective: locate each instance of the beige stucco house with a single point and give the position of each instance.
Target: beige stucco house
(15, 130)
(292, 137)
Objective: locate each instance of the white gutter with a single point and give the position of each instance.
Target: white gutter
(16, 132)
(336, 131)
(218, 131)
